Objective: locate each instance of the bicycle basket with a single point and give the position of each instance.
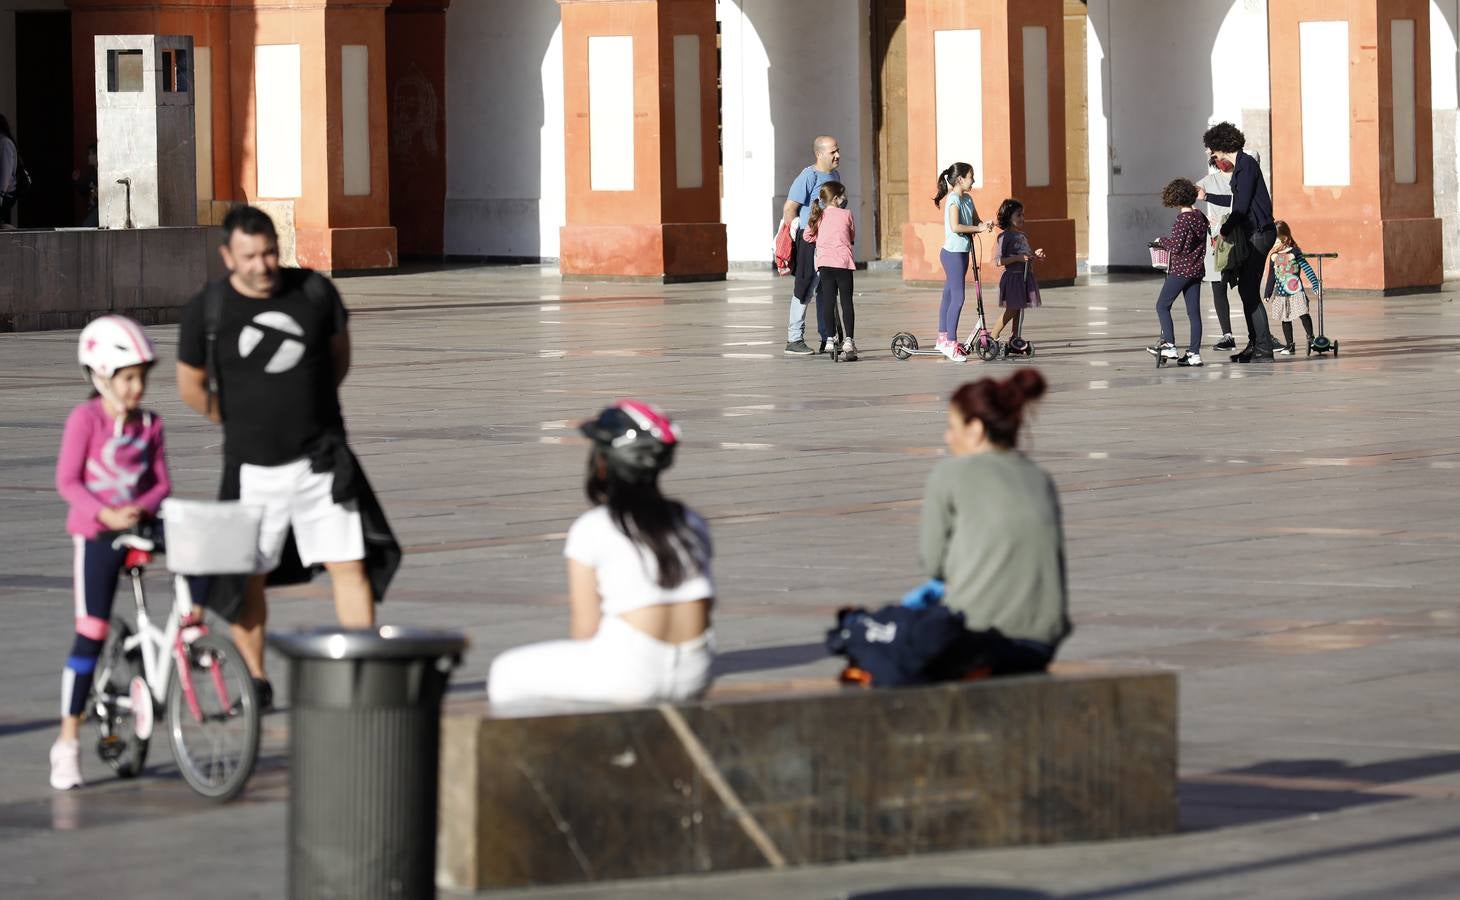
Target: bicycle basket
(1160, 257)
(211, 537)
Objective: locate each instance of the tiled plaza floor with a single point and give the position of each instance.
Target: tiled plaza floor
(1287, 537)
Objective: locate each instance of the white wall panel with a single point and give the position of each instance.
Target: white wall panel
(1036, 106)
(689, 150)
(1401, 32)
(355, 118)
(1323, 50)
(203, 119)
(611, 112)
(278, 118)
(958, 103)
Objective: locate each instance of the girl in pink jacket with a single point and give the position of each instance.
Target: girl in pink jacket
(112, 470)
(834, 231)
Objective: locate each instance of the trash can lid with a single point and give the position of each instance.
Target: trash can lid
(386, 642)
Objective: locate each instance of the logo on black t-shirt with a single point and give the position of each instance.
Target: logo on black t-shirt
(280, 326)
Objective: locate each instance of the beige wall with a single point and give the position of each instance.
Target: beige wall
(1077, 126)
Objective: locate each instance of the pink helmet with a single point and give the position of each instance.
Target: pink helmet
(637, 439)
(112, 343)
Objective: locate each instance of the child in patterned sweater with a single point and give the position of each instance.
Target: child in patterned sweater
(1187, 245)
(1286, 266)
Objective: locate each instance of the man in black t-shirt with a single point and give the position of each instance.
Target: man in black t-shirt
(281, 349)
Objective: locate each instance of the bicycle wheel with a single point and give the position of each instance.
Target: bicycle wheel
(215, 742)
(118, 744)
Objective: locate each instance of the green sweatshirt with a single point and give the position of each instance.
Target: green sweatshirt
(991, 530)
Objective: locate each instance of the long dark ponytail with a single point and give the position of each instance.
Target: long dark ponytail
(649, 518)
(830, 193)
(947, 177)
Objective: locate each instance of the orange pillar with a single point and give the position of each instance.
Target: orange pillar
(415, 33)
(640, 104)
(985, 86)
(334, 180)
(1360, 181)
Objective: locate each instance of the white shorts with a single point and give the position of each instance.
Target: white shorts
(619, 664)
(294, 496)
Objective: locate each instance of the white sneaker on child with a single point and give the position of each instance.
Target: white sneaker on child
(953, 351)
(66, 765)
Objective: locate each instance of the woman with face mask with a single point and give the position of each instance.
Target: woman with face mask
(1218, 181)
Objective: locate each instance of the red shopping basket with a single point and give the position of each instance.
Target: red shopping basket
(1160, 257)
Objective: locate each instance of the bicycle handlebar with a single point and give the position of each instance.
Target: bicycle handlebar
(134, 542)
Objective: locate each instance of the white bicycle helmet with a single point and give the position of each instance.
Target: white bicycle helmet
(108, 345)
(112, 343)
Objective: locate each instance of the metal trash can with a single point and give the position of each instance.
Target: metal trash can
(364, 739)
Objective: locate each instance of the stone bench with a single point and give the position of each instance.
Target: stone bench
(747, 780)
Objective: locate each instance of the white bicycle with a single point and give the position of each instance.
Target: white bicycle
(198, 679)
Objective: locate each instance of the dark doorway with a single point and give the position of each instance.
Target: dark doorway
(889, 122)
(43, 114)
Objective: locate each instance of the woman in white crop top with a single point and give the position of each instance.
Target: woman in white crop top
(639, 581)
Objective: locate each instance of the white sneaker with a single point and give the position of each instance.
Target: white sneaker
(66, 765)
(953, 352)
(1163, 349)
(1190, 359)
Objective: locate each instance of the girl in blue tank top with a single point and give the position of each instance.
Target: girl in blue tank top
(960, 223)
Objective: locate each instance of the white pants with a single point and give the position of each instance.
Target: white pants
(619, 664)
(293, 495)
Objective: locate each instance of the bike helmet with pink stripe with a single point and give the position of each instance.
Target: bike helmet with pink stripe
(636, 439)
(112, 343)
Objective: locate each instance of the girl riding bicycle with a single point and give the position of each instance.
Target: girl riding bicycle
(112, 470)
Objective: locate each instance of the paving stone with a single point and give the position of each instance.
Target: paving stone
(1284, 537)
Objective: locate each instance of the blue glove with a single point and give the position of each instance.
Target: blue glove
(929, 593)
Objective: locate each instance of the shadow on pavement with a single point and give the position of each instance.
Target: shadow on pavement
(1289, 860)
(1281, 789)
(953, 892)
(9, 728)
(760, 659)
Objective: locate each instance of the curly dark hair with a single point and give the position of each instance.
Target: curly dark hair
(1224, 137)
(1180, 192)
(1007, 209)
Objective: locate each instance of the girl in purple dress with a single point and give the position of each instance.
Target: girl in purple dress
(1017, 288)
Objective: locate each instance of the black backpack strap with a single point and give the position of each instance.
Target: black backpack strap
(212, 322)
(316, 288)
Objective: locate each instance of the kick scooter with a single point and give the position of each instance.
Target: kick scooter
(1322, 343)
(980, 341)
(1017, 345)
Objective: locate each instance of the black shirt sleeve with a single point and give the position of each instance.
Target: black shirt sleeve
(1244, 185)
(339, 316)
(192, 342)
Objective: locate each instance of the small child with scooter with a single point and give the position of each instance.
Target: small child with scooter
(1017, 288)
(1286, 266)
(834, 230)
(1187, 247)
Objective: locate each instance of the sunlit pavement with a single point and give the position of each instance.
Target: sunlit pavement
(1285, 536)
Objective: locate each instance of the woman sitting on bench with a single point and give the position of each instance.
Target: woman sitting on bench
(991, 529)
(638, 581)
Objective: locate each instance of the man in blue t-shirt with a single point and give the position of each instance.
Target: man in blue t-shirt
(799, 202)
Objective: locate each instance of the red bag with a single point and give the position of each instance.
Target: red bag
(783, 248)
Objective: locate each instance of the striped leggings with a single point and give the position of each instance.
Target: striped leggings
(96, 569)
